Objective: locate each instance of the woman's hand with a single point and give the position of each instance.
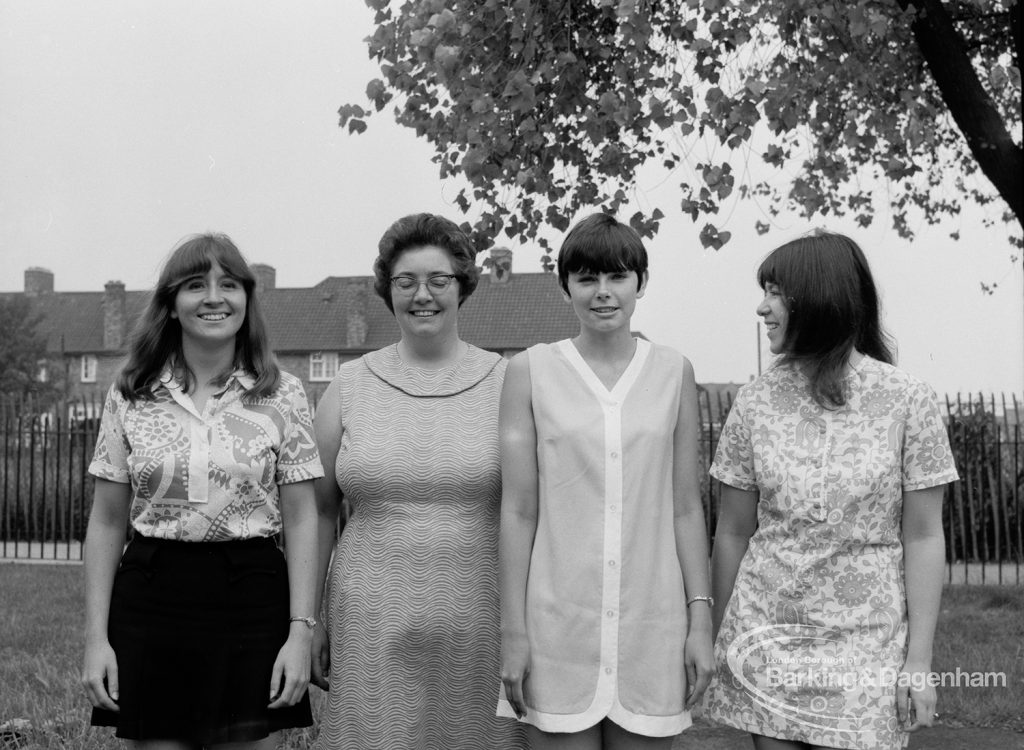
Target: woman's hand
(290, 678)
(699, 658)
(99, 675)
(515, 666)
(915, 697)
(320, 655)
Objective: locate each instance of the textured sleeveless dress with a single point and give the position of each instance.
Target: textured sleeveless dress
(412, 600)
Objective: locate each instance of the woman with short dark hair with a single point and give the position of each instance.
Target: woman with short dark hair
(410, 432)
(606, 621)
(423, 230)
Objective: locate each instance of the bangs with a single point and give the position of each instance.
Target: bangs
(197, 255)
(597, 257)
(766, 272)
(601, 244)
(784, 267)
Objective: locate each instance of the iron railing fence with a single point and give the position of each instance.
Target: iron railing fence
(46, 491)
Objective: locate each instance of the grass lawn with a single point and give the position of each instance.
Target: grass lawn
(981, 629)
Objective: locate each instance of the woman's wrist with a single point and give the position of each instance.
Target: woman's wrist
(917, 665)
(918, 656)
(95, 635)
(699, 624)
(299, 630)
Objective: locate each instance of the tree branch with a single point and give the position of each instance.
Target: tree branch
(1000, 159)
(1015, 30)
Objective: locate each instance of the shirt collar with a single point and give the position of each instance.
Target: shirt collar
(245, 379)
(171, 383)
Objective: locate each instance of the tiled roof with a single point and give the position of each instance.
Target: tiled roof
(526, 310)
(72, 322)
(306, 320)
(529, 309)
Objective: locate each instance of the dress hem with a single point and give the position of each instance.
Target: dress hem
(832, 742)
(641, 724)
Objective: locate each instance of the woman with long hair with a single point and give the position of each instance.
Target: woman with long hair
(198, 632)
(828, 554)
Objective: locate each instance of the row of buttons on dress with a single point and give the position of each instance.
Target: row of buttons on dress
(817, 511)
(614, 456)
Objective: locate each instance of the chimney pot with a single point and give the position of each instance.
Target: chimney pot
(113, 315)
(266, 276)
(354, 304)
(501, 265)
(38, 281)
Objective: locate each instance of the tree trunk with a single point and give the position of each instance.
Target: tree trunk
(941, 45)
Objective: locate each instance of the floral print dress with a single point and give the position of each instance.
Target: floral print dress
(814, 633)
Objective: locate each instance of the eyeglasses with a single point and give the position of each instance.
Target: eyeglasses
(408, 285)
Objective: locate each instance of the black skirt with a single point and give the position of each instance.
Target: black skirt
(196, 627)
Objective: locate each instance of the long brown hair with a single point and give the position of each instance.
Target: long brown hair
(833, 308)
(156, 340)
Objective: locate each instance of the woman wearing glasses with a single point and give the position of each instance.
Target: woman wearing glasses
(410, 649)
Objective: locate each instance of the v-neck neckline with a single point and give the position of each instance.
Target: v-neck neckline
(626, 380)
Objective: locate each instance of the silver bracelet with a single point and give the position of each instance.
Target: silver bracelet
(708, 599)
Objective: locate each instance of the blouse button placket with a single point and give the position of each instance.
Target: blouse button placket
(818, 510)
(613, 532)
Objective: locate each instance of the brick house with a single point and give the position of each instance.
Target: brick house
(312, 330)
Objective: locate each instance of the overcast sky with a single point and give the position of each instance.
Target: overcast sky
(125, 126)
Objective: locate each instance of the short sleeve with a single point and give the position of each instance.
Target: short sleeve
(110, 459)
(927, 457)
(298, 460)
(734, 457)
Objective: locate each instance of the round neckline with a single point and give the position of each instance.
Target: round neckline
(421, 368)
(475, 365)
(853, 368)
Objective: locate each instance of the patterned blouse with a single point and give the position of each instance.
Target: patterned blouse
(207, 476)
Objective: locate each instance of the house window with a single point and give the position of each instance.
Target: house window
(89, 368)
(322, 366)
(43, 371)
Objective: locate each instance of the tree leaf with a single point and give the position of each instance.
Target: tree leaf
(551, 109)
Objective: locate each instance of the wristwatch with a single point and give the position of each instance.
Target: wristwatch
(310, 622)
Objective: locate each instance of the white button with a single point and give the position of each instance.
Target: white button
(611, 613)
(613, 509)
(607, 670)
(611, 563)
(614, 454)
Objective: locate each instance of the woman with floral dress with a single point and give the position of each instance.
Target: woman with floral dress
(828, 555)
